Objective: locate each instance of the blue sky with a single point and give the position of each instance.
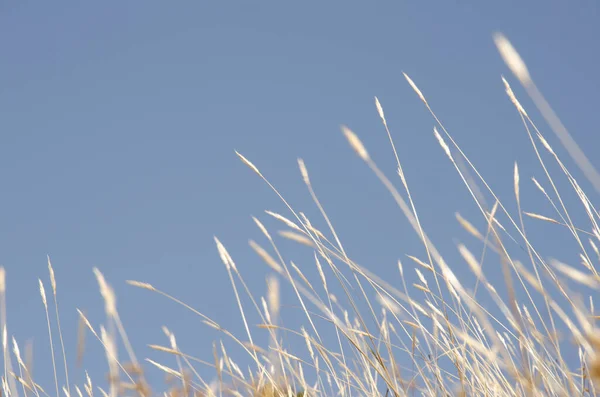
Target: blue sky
(119, 122)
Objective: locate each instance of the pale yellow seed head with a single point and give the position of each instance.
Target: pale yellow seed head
(52, 279)
(165, 330)
(284, 220)
(442, 143)
(212, 324)
(110, 300)
(303, 171)
(468, 226)
(421, 263)
(266, 310)
(88, 380)
(248, 163)
(540, 217)
(173, 341)
(513, 97)
(224, 255)
(421, 277)
(43, 293)
(388, 303)
(309, 225)
(308, 343)
(164, 368)
(414, 87)
(110, 347)
(262, 227)
(585, 262)
(411, 324)
(492, 214)
(2, 280)
(470, 259)
(537, 184)
(17, 352)
(516, 181)
(273, 294)
(594, 247)
(299, 238)
(355, 143)
(451, 278)
(574, 274)
(402, 177)
(545, 143)
(380, 110)
(512, 58)
(141, 284)
(266, 257)
(321, 273)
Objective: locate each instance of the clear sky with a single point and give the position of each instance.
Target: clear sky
(119, 122)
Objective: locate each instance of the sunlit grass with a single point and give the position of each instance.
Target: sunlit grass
(368, 336)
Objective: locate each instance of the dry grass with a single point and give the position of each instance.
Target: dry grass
(375, 338)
